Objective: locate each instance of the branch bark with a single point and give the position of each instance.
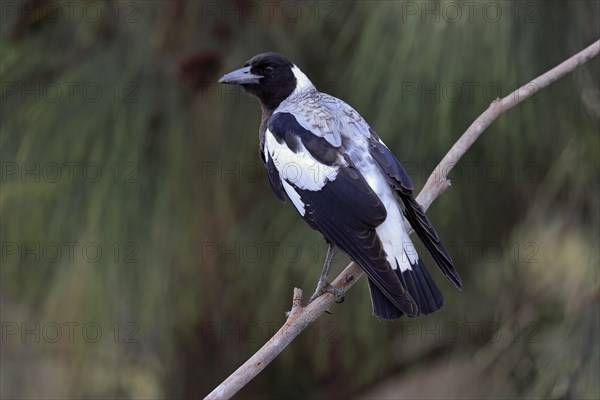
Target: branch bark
(301, 317)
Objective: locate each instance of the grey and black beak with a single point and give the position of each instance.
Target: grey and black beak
(240, 76)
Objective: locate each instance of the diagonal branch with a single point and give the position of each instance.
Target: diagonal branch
(438, 182)
(301, 317)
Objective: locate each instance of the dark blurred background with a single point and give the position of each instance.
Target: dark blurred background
(144, 255)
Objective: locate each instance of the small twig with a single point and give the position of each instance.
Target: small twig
(437, 184)
(296, 304)
(298, 319)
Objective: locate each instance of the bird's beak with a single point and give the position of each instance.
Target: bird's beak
(240, 76)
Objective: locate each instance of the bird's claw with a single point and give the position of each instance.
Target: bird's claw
(326, 287)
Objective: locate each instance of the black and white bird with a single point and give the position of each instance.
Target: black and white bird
(345, 183)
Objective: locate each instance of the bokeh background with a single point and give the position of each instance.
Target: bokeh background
(144, 255)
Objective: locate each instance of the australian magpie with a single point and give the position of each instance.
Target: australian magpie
(344, 181)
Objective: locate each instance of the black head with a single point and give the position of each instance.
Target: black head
(269, 76)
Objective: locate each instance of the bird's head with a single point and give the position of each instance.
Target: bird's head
(269, 76)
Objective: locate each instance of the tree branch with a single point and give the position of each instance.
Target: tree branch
(438, 182)
(301, 317)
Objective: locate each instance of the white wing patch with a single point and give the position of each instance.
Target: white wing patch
(396, 243)
(294, 197)
(266, 153)
(300, 169)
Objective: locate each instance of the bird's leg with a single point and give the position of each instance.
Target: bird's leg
(324, 286)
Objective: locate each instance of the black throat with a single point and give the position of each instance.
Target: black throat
(272, 94)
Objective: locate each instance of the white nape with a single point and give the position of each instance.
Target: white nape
(303, 83)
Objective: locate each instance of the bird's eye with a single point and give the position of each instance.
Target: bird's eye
(269, 70)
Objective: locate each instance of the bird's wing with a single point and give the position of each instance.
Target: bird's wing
(400, 181)
(327, 117)
(334, 198)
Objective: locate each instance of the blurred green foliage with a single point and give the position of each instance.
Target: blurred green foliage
(134, 151)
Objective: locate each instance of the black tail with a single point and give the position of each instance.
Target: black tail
(421, 287)
(382, 306)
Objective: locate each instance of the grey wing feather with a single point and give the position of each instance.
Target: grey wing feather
(327, 117)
